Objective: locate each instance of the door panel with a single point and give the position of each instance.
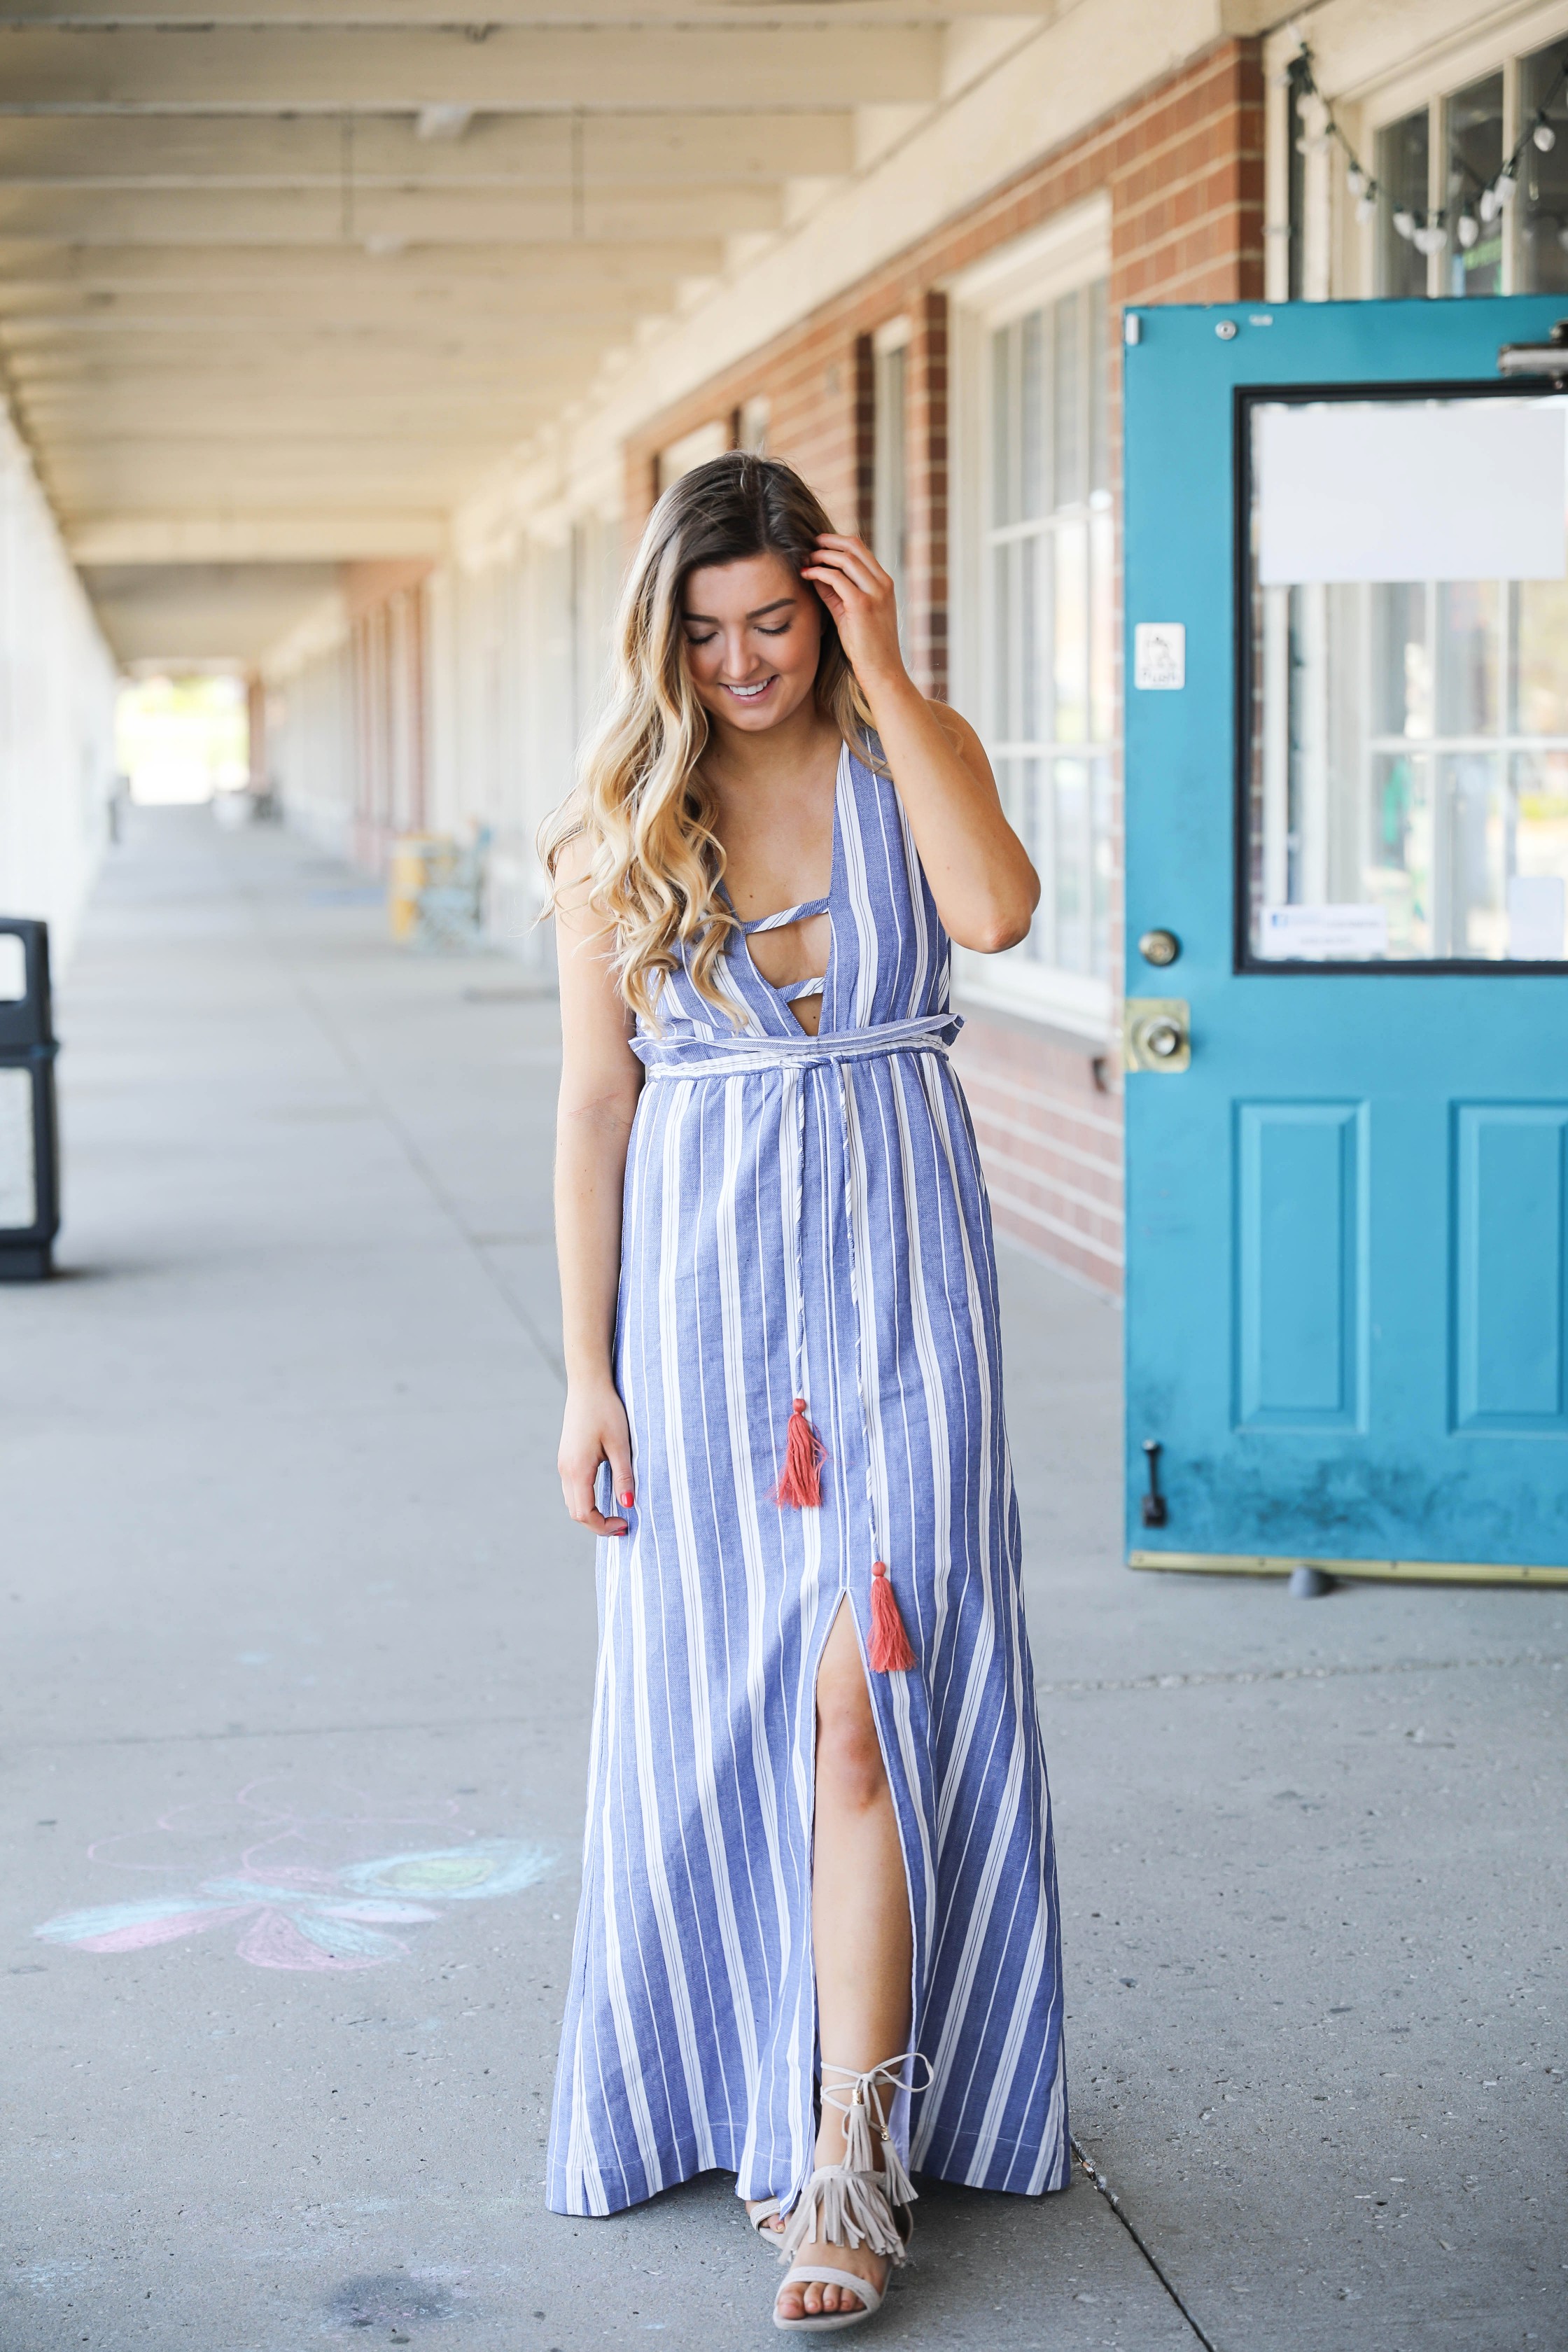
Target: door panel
(1301, 1272)
(1347, 1319)
(1510, 1264)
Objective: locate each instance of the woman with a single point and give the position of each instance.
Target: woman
(817, 1941)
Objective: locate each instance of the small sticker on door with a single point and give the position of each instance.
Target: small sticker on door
(1160, 655)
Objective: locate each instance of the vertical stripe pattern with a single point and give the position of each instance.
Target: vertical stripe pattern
(812, 1210)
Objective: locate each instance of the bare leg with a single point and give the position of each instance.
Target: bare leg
(860, 1923)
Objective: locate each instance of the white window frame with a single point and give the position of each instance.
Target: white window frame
(1350, 48)
(1070, 252)
(890, 460)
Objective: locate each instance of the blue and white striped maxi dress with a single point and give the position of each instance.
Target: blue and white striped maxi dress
(806, 1216)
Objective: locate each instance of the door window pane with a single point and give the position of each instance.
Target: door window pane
(1051, 655)
(1475, 159)
(1402, 158)
(1408, 767)
(1542, 200)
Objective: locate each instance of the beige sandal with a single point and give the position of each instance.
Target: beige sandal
(765, 2210)
(855, 2203)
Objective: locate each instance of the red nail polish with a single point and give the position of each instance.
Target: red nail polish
(628, 1497)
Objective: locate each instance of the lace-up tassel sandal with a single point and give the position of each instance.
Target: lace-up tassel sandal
(853, 2203)
(759, 2215)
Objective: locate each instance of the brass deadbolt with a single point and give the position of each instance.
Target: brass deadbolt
(1158, 947)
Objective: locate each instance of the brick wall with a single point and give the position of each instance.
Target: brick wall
(1183, 166)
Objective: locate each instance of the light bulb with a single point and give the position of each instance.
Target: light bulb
(1563, 236)
(1405, 223)
(1488, 207)
(1544, 137)
(1355, 180)
(1507, 189)
(1468, 230)
(1365, 208)
(1430, 239)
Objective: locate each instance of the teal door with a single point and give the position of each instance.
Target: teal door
(1347, 971)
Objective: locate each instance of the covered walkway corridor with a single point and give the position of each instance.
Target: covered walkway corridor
(344, 347)
(297, 1667)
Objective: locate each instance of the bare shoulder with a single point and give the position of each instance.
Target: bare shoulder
(961, 735)
(574, 883)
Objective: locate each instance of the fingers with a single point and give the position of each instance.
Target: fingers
(857, 571)
(577, 1484)
(855, 559)
(622, 1486)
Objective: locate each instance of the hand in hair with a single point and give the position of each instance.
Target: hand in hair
(979, 871)
(860, 597)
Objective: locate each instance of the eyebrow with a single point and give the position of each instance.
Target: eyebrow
(713, 620)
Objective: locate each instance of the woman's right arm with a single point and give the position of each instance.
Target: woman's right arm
(601, 1079)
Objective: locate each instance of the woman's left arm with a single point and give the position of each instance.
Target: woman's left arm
(980, 876)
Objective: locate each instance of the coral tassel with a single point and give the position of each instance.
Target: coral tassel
(889, 1652)
(800, 1483)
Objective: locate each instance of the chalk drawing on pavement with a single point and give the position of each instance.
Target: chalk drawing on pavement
(307, 1885)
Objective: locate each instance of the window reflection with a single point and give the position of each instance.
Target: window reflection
(1403, 149)
(1410, 757)
(1544, 181)
(1475, 159)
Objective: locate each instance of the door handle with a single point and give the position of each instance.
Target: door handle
(1153, 1509)
(1156, 1033)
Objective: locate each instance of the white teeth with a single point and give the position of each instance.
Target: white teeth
(748, 693)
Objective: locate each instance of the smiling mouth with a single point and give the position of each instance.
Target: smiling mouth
(750, 693)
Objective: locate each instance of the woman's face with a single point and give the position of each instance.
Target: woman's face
(753, 632)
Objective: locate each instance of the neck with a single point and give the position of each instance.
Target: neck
(738, 759)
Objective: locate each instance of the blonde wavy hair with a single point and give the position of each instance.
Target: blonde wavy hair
(656, 864)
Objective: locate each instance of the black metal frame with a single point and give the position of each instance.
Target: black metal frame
(1245, 398)
(27, 1043)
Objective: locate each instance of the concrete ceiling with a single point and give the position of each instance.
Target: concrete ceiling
(281, 283)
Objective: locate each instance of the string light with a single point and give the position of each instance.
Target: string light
(1428, 232)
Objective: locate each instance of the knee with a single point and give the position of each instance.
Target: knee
(849, 1772)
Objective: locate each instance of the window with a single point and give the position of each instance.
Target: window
(1403, 149)
(1034, 603)
(1475, 157)
(1047, 596)
(1405, 794)
(890, 484)
(1472, 185)
(694, 448)
(1543, 203)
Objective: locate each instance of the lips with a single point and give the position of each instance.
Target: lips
(750, 693)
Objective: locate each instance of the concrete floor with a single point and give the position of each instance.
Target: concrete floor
(291, 1602)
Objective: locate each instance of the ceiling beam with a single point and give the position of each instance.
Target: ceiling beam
(239, 354)
(323, 533)
(544, 150)
(383, 14)
(416, 268)
(91, 311)
(426, 216)
(259, 69)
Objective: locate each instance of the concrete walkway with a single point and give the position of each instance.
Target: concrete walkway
(297, 1681)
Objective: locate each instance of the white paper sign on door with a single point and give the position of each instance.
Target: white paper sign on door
(1325, 934)
(1412, 489)
(1160, 656)
(1535, 918)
